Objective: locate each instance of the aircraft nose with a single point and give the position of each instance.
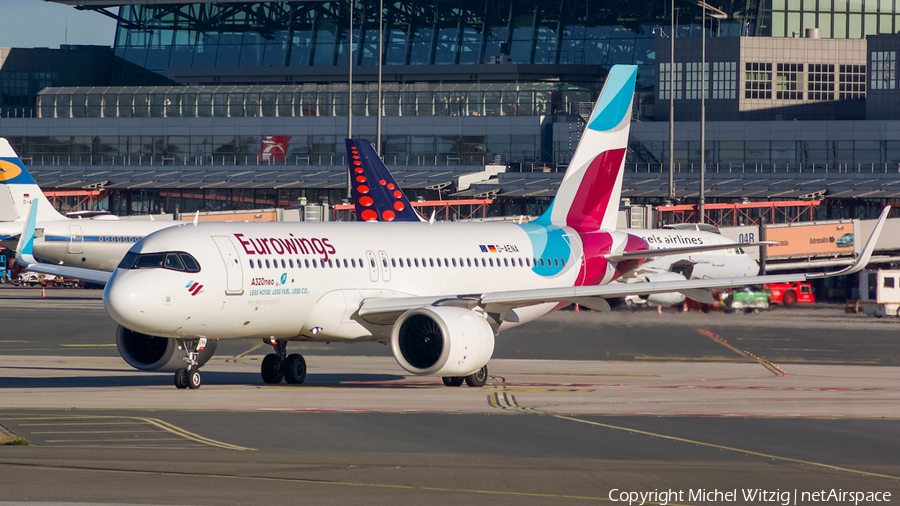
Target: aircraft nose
(125, 299)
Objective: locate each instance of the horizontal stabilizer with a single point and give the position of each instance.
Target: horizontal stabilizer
(89, 275)
(701, 296)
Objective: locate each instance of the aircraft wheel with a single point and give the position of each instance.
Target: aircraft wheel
(181, 380)
(193, 379)
(453, 381)
(790, 298)
(295, 369)
(477, 378)
(272, 369)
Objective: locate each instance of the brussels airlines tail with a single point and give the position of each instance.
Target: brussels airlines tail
(376, 194)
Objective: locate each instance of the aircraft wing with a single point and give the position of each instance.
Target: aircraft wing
(502, 302)
(633, 255)
(93, 276)
(25, 256)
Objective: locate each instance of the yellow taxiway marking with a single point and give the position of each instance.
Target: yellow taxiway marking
(727, 448)
(133, 440)
(93, 362)
(497, 493)
(244, 354)
(576, 374)
(534, 389)
(706, 358)
(160, 424)
(87, 345)
(76, 423)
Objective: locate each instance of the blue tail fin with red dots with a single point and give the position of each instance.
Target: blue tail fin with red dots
(376, 195)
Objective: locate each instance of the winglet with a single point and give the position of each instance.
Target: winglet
(863, 259)
(25, 248)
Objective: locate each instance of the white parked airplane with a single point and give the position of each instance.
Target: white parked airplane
(438, 292)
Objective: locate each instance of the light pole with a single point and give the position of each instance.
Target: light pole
(380, 53)
(718, 14)
(703, 118)
(672, 106)
(350, 101)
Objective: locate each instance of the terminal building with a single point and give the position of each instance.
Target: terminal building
(217, 99)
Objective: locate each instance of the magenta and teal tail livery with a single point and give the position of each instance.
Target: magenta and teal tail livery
(376, 195)
(588, 198)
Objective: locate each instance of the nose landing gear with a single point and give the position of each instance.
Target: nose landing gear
(190, 376)
(279, 365)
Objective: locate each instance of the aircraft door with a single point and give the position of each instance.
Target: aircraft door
(385, 266)
(76, 240)
(234, 272)
(373, 266)
(718, 258)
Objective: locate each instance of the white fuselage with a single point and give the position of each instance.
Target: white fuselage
(725, 263)
(257, 280)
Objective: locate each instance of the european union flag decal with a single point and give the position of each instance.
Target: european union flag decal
(483, 248)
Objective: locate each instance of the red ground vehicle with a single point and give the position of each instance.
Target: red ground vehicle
(791, 293)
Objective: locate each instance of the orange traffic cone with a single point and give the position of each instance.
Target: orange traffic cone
(576, 308)
(658, 309)
(43, 292)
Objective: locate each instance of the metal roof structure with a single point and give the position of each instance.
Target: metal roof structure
(653, 186)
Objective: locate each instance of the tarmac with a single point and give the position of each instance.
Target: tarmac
(579, 408)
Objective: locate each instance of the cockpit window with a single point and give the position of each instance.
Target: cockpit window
(190, 265)
(172, 260)
(150, 261)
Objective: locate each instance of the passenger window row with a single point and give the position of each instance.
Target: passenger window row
(115, 238)
(354, 263)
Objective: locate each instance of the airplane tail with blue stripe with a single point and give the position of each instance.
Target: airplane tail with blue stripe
(18, 189)
(588, 197)
(376, 194)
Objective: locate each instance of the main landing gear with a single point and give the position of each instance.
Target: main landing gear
(279, 365)
(190, 376)
(476, 379)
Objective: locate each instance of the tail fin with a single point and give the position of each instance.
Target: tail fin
(18, 189)
(588, 198)
(375, 193)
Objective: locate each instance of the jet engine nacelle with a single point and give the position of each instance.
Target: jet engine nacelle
(151, 353)
(668, 298)
(442, 341)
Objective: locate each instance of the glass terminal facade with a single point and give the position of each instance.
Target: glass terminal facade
(267, 35)
(465, 99)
